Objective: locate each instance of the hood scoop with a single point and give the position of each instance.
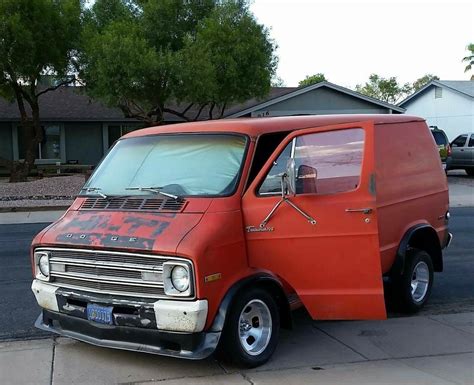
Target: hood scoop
(134, 204)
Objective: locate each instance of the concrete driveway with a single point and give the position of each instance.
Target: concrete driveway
(414, 350)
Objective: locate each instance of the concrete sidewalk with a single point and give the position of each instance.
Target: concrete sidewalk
(37, 216)
(413, 350)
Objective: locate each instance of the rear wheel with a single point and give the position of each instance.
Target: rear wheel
(251, 331)
(413, 287)
(470, 171)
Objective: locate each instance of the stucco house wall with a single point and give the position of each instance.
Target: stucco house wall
(321, 101)
(448, 109)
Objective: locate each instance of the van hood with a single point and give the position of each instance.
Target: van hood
(132, 231)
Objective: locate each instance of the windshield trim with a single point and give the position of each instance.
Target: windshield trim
(237, 183)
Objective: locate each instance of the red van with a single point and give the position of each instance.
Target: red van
(199, 236)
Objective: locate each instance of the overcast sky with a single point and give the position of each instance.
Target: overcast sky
(349, 40)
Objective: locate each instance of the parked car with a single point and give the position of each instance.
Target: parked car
(443, 144)
(462, 154)
(197, 236)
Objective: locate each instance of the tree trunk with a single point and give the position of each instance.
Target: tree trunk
(32, 135)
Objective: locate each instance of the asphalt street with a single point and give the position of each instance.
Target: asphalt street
(453, 289)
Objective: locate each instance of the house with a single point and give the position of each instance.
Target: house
(449, 105)
(80, 130)
(322, 98)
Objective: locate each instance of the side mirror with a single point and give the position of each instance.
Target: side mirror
(306, 180)
(307, 172)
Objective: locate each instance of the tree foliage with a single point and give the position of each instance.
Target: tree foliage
(424, 80)
(146, 56)
(277, 81)
(385, 89)
(37, 38)
(312, 79)
(469, 59)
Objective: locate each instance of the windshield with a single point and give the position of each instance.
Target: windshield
(439, 137)
(183, 165)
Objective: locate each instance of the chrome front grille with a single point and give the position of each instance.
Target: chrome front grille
(107, 272)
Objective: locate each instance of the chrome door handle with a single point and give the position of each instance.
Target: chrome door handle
(365, 211)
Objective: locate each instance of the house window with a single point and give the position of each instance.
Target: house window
(48, 148)
(438, 92)
(118, 130)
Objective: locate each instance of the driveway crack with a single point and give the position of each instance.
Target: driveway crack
(341, 342)
(52, 361)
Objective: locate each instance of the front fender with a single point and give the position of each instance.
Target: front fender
(266, 280)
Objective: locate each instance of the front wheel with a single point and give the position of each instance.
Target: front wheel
(413, 287)
(251, 331)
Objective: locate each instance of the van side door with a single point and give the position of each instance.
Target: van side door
(333, 262)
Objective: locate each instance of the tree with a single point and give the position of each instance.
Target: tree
(278, 82)
(424, 80)
(145, 56)
(469, 60)
(37, 39)
(312, 79)
(385, 89)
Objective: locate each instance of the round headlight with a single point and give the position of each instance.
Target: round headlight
(43, 265)
(180, 278)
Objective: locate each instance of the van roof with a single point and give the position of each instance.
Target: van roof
(256, 126)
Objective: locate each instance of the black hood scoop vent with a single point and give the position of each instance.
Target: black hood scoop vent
(134, 204)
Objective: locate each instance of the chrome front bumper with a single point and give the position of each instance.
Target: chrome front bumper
(193, 346)
(165, 327)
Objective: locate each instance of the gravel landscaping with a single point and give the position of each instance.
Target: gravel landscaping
(52, 191)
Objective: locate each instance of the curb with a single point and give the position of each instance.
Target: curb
(32, 209)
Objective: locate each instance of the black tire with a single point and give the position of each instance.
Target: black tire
(231, 347)
(407, 300)
(470, 171)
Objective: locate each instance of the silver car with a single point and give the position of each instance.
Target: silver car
(462, 154)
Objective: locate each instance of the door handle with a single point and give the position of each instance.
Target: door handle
(367, 210)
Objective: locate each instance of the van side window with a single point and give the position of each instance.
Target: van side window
(325, 163)
(266, 145)
(272, 183)
(329, 162)
(459, 141)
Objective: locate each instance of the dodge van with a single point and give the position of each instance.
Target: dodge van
(200, 236)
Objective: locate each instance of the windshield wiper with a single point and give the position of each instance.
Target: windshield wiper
(156, 190)
(96, 190)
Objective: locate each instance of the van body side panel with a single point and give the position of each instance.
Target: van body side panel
(411, 185)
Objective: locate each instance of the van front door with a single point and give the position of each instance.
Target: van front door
(323, 242)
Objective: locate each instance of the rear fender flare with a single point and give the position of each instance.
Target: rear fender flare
(421, 236)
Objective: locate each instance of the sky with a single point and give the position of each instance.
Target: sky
(349, 40)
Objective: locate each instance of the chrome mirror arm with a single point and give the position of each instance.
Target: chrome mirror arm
(284, 199)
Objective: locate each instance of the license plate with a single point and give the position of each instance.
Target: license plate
(100, 314)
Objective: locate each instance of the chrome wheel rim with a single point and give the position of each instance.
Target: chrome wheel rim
(420, 281)
(255, 327)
